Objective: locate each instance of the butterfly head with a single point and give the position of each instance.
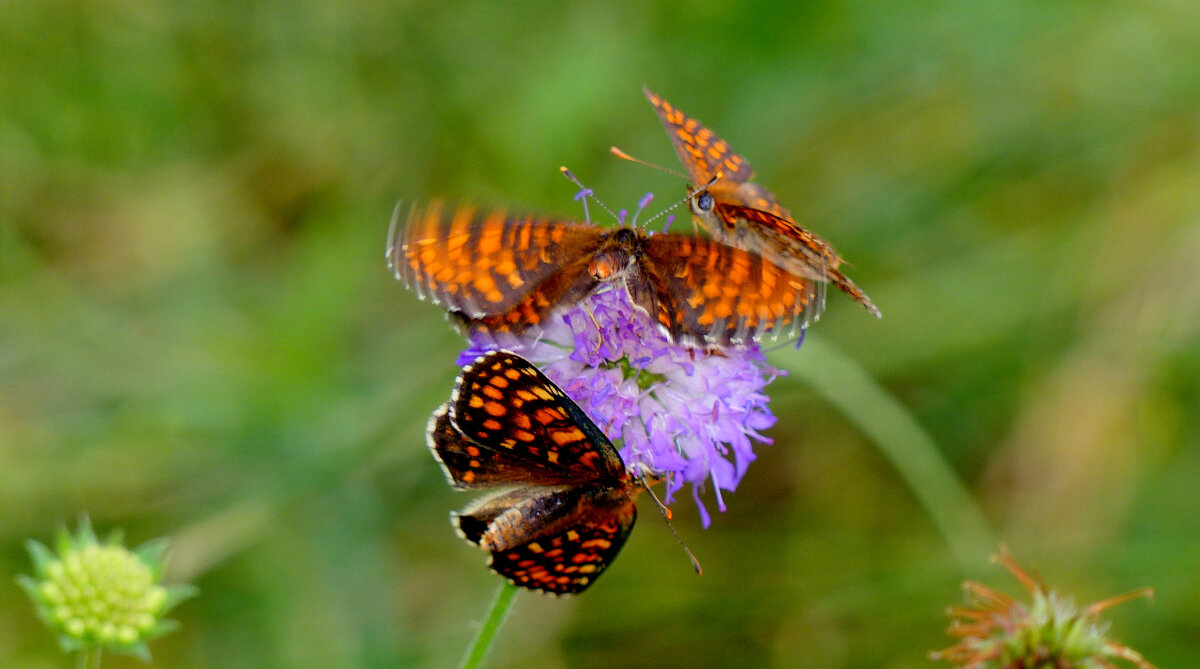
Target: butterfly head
(620, 251)
(627, 239)
(703, 203)
(704, 209)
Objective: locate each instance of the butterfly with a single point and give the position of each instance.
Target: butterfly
(564, 500)
(501, 274)
(744, 214)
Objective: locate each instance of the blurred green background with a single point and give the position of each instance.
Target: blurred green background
(199, 337)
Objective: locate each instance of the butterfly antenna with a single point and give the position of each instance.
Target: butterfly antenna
(690, 195)
(666, 514)
(584, 193)
(625, 156)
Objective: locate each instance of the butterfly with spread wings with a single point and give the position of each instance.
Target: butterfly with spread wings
(505, 274)
(742, 213)
(565, 501)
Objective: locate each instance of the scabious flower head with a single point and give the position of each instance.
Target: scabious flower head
(997, 632)
(687, 413)
(101, 594)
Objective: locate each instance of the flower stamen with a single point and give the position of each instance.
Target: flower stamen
(689, 414)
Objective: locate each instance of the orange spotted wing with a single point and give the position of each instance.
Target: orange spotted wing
(565, 501)
(483, 266)
(745, 214)
(725, 295)
(502, 274)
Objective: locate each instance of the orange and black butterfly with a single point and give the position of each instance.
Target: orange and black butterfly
(742, 213)
(565, 501)
(502, 274)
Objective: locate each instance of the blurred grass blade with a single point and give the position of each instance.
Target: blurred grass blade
(847, 386)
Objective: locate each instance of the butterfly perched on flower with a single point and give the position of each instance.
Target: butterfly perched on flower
(564, 500)
(505, 274)
(742, 213)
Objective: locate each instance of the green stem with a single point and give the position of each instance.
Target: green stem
(487, 633)
(914, 454)
(89, 658)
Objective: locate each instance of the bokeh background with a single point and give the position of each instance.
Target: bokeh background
(199, 337)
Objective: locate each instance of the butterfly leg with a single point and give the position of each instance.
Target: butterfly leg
(599, 335)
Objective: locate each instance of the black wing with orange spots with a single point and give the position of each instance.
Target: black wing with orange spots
(469, 464)
(578, 542)
(565, 503)
(503, 403)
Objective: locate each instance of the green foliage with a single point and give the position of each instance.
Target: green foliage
(199, 337)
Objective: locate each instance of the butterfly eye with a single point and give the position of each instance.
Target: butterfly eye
(705, 202)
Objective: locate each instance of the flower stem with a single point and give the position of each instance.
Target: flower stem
(89, 657)
(487, 633)
(901, 439)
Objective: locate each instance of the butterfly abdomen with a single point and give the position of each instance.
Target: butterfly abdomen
(517, 525)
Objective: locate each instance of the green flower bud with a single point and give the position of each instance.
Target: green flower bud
(107, 632)
(51, 592)
(94, 594)
(127, 635)
(143, 622)
(996, 631)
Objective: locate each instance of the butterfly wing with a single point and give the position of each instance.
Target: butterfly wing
(733, 199)
(848, 287)
(794, 247)
(469, 464)
(482, 266)
(703, 153)
(562, 288)
(504, 404)
(785, 235)
(743, 206)
(558, 541)
(722, 295)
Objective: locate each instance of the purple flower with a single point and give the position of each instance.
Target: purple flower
(683, 412)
